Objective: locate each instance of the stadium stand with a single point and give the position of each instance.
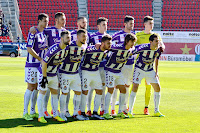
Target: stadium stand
(181, 15)
(30, 9)
(115, 11)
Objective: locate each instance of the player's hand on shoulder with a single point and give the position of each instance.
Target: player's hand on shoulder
(162, 46)
(32, 30)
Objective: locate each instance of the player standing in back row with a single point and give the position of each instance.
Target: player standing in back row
(127, 70)
(94, 39)
(36, 44)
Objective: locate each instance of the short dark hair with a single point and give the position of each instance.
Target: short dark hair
(79, 18)
(81, 31)
(128, 37)
(59, 14)
(65, 32)
(106, 37)
(128, 18)
(42, 15)
(100, 19)
(151, 38)
(146, 18)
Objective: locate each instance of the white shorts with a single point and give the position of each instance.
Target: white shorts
(69, 81)
(91, 79)
(114, 79)
(52, 82)
(102, 74)
(127, 71)
(31, 75)
(140, 74)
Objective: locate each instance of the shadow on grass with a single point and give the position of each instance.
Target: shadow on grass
(10, 123)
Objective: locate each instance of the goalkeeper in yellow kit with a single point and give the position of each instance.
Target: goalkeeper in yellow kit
(142, 38)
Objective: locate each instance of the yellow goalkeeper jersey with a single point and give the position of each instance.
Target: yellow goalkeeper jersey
(143, 38)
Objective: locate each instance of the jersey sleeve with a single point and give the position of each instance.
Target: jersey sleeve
(50, 53)
(30, 40)
(140, 48)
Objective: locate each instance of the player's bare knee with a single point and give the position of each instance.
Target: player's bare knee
(64, 93)
(77, 92)
(85, 92)
(135, 87)
(122, 89)
(98, 91)
(110, 90)
(53, 91)
(32, 87)
(42, 92)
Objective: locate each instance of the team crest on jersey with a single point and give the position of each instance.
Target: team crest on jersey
(110, 83)
(137, 79)
(32, 79)
(65, 87)
(85, 86)
(30, 42)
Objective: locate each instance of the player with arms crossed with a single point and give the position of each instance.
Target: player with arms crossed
(47, 75)
(69, 77)
(117, 57)
(94, 39)
(127, 70)
(91, 78)
(144, 68)
(142, 38)
(35, 46)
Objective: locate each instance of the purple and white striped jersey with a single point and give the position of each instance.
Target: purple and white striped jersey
(36, 41)
(146, 56)
(96, 38)
(74, 36)
(117, 38)
(92, 58)
(117, 57)
(72, 61)
(54, 57)
(53, 35)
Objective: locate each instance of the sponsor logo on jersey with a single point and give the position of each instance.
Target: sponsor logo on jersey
(56, 40)
(53, 49)
(91, 48)
(118, 45)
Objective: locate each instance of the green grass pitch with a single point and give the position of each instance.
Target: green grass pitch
(180, 103)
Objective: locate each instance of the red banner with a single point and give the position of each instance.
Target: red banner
(181, 48)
